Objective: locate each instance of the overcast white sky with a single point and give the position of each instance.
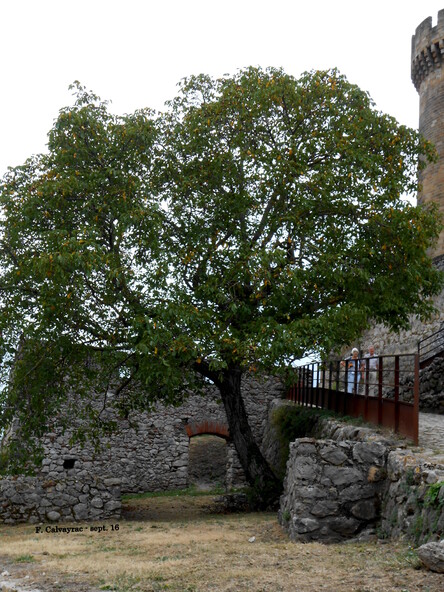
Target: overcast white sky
(134, 52)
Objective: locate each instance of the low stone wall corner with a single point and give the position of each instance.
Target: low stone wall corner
(36, 499)
(359, 487)
(332, 489)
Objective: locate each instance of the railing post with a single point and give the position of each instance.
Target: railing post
(396, 394)
(338, 370)
(318, 390)
(367, 376)
(330, 383)
(312, 391)
(416, 403)
(366, 387)
(380, 377)
(323, 384)
(355, 386)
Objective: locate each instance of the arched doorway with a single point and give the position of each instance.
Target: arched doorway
(207, 462)
(207, 456)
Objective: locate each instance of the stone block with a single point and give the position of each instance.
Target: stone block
(432, 556)
(80, 511)
(325, 508)
(97, 502)
(344, 526)
(112, 506)
(53, 516)
(304, 525)
(306, 469)
(371, 453)
(343, 476)
(333, 455)
(357, 492)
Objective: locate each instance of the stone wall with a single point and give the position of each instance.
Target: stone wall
(431, 385)
(413, 504)
(333, 488)
(33, 499)
(356, 484)
(149, 452)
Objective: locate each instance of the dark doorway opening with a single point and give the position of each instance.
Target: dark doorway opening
(207, 465)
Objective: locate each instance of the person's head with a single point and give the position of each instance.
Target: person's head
(371, 350)
(355, 352)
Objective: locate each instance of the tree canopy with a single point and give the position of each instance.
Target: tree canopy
(258, 219)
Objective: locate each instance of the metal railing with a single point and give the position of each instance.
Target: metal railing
(383, 390)
(431, 346)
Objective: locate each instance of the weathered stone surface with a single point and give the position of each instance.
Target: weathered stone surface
(373, 453)
(344, 526)
(325, 508)
(327, 496)
(333, 455)
(343, 476)
(81, 511)
(305, 525)
(97, 502)
(113, 506)
(381, 486)
(432, 555)
(53, 516)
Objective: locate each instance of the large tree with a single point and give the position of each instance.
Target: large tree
(258, 219)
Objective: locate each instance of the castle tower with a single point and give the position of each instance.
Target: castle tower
(428, 78)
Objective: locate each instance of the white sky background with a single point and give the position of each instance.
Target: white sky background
(134, 52)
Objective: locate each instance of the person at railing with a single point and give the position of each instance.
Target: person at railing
(352, 371)
(369, 368)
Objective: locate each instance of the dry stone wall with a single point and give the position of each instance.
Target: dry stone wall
(355, 483)
(413, 504)
(333, 488)
(149, 452)
(33, 499)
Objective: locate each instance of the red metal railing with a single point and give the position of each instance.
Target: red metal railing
(383, 390)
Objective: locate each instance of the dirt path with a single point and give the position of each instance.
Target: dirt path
(177, 544)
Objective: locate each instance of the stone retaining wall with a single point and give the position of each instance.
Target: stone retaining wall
(413, 504)
(33, 499)
(356, 484)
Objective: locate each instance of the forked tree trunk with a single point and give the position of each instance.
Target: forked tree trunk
(266, 486)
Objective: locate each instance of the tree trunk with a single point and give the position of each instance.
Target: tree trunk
(266, 486)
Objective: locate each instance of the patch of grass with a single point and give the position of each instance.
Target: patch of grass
(24, 559)
(410, 557)
(190, 491)
(432, 495)
(123, 583)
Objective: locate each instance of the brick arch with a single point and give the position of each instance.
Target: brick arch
(215, 428)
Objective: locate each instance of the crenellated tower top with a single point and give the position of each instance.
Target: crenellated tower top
(428, 78)
(427, 49)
